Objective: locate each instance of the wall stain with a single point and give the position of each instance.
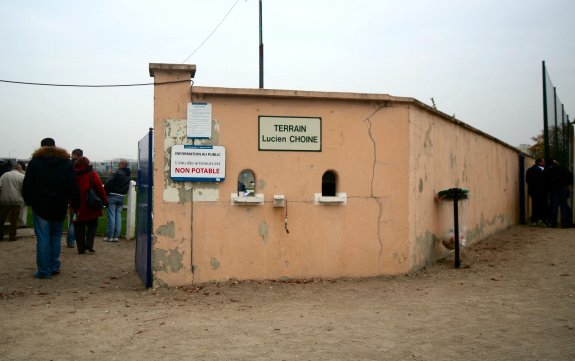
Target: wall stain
(167, 230)
(427, 142)
(426, 250)
(167, 260)
(399, 257)
(465, 172)
(214, 264)
(184, 195)
(452, 161)
(264, 230)
(420, 185)
(478, 232)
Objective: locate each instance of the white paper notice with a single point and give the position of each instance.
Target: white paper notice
(200, 120)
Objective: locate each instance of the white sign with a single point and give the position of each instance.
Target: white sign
(200, 120)
(198, 163)
(289, 133)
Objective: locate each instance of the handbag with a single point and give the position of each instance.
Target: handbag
(93, 200)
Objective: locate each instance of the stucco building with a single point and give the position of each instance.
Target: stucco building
(344, 184)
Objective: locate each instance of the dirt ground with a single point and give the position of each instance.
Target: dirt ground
(513, 299)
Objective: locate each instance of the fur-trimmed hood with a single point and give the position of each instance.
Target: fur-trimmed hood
(50, 184)
(51, 152)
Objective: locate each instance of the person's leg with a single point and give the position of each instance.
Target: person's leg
(42, 231)
(539, 207)
(80, 232)
(533, 209)
(554, 208)
(110, 213)
(4, 210)
(14, 215)
(91, 234)
(563, 195)
(23, 216)
(118, 217)
(56, 231)
(70, 238)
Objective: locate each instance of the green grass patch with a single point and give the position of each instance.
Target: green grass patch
(102, 221)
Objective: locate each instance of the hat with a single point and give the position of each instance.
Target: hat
(48, 142)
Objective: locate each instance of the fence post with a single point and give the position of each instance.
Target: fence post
(131, 214)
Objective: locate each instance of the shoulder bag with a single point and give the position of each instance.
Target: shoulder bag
(93, 200)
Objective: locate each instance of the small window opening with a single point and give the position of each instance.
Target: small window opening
(328, 184)
(246, 183)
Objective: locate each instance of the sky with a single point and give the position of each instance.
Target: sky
(480, 60)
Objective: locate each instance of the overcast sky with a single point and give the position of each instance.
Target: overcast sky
(479, 59)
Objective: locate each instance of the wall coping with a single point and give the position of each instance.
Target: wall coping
(190, 68)
(317, 95)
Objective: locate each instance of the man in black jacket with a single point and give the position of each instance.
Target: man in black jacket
(116, 188)
(558, 179)
(537, 191)
(48, 186)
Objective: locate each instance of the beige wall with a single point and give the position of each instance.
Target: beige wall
(391, 156)
(445, 154)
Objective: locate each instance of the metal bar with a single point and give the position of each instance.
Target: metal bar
(455, 192)
(261, 50)
(522, 216)
(149, 276)
(545, 120)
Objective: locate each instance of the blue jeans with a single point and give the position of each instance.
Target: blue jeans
(71, 238)
(114, 212)
(48, 238)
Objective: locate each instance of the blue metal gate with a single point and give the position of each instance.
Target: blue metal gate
(144, 212)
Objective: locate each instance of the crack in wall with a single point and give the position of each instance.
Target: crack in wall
(378, 200)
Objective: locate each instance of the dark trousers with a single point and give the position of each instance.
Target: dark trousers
(539, 207)
(14, 212)
(85, 232)
(559, 204)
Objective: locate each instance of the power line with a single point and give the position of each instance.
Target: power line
(91, 85)
(213, 31)
(126, 85)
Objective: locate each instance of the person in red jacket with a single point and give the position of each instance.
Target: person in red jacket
(86, 218)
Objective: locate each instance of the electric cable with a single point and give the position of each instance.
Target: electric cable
(125, 85)
(90, 85)
(213, 31)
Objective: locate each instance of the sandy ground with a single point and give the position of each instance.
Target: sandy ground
(513, 299)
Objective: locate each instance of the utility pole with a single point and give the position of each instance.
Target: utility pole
(261, 51)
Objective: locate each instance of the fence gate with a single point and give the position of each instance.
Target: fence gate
(144, 209)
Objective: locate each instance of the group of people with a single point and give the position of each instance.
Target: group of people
(56, 184)
(548, 187)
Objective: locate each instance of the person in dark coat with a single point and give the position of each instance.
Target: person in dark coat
(86, 218)
(49, 185)
(558, 179)
(116, 188)
(537, 191)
